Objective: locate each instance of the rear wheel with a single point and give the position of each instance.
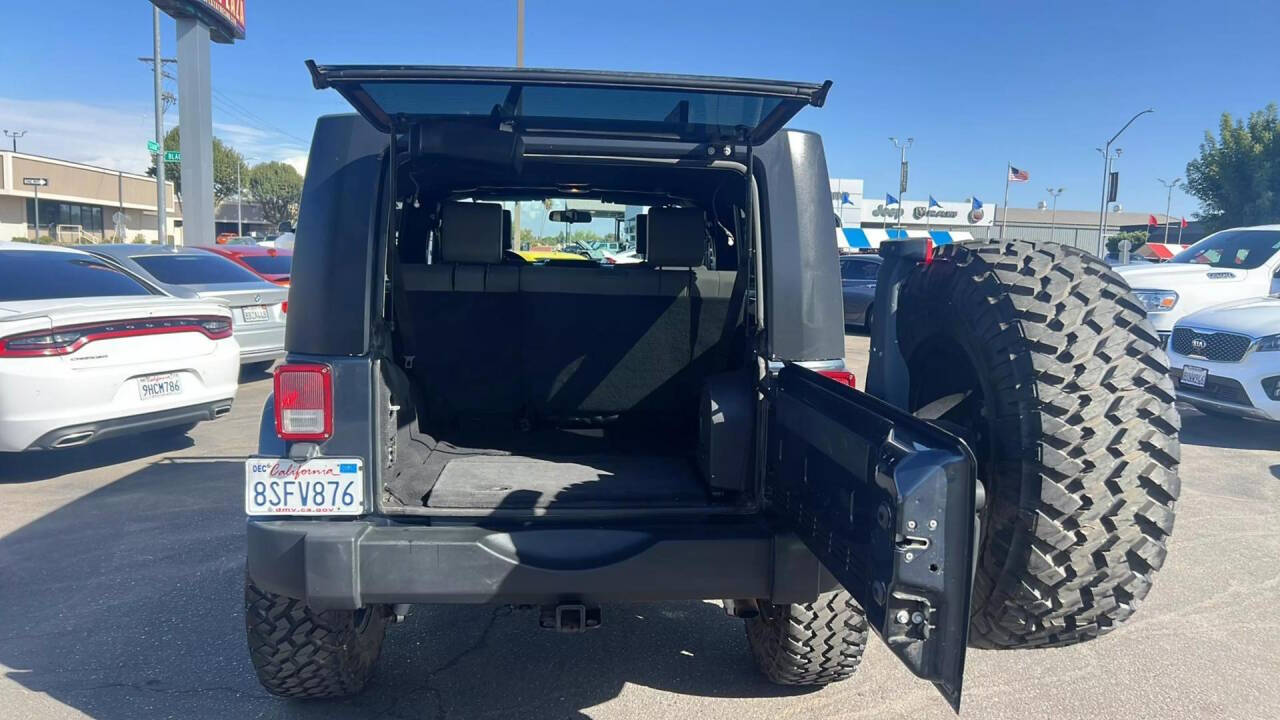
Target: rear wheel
(1043, 361)
(302, 653)
(814, 643)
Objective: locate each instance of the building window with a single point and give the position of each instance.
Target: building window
(88, 217)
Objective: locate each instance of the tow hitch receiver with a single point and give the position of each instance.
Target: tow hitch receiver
(569, 618)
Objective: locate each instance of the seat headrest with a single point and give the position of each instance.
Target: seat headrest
(642, 234)
(677, 237)
(471, 233)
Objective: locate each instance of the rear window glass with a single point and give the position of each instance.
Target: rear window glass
(42, 275)
(202, 269)
(269, 264)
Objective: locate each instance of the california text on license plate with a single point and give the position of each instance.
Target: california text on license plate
(1194, 376)
(319, 486)
(154, 386)
(254, 313)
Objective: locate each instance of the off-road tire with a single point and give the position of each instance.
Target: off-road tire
(814, 643)
(301, 653)
(1078, 440)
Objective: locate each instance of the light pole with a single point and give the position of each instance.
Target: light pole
(902, 178)
(1168, 202)
(1106, 175)
(14, 135)
(1053, 218)
(240, 196)
(1108, 165)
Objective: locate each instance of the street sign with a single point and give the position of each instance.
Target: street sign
(172, 156)
(153, 146)
(38, 182)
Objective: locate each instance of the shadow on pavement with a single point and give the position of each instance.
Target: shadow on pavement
(1227, 432)
(127, 603)
(46, 464)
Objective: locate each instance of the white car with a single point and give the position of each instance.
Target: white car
(88, 351)
(1226, 360)
(1229, 265)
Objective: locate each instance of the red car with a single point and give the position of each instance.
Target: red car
(269, 263)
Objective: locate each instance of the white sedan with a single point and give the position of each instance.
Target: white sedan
(1226, 359)
(88, 351)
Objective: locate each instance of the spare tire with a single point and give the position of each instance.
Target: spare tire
(1040, 357)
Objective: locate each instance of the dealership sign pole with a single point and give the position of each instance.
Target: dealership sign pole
(199, 21)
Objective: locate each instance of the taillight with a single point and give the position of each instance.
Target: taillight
(844, 377)
(284, 306)
(66, 340)
(304, 402)
(217, 328)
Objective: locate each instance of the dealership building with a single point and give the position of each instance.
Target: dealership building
(80, 203)
(866, 221)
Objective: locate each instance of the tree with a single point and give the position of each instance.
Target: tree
(225, 161)
(1237, 176)
(278, 188)
(1135, 238)
(527, 238)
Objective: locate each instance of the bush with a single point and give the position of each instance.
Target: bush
(1136, 239)
(140, 238)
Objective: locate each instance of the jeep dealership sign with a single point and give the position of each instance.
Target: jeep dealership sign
(918, 212)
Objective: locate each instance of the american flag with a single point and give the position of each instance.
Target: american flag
(1016, 175)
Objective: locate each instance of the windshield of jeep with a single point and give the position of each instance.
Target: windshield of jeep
(1239, 249)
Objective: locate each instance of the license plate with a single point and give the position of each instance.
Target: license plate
(156, 386)
(319, 486)
(254, 313)
(1194, 376)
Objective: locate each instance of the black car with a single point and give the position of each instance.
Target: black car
(455, 425)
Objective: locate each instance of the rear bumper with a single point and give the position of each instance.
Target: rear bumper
(84, 433)
(345, 565)
(261, 354)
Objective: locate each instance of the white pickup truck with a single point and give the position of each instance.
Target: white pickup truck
(1228, 265)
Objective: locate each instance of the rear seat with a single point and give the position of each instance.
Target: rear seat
(466, 319)
(564, 344)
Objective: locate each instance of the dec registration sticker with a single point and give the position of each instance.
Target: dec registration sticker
(319, 486)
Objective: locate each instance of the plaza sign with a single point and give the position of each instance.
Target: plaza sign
(225, 18)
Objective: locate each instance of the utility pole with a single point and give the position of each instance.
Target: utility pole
(15, 134)
(902, 176)
(1168, 202)
(1106, 176)
(1053, 219)
(239, 200)
(162, 222)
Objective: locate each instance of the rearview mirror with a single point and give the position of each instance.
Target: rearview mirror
(570, 216)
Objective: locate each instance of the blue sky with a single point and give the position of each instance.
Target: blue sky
(975, 83)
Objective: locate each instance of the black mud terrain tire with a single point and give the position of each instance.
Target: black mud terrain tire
(1065, 397)
(814, 643)
(301, 653)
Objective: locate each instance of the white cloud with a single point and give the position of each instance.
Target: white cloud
(115, 136)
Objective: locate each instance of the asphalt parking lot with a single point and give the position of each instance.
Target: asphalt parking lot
(120, 589)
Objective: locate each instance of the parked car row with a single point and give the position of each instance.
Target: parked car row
(107, 340)
(1217, 307)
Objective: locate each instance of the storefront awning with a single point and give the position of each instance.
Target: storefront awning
(1160, 251)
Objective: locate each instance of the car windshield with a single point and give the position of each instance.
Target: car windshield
(44, 275)
(269, 264)
(193, 269)
(1240, 249)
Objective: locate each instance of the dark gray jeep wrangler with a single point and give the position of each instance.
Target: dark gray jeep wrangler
(464, 417)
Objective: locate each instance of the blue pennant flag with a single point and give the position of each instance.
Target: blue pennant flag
(933, 203)
(977, 204)
(844, 199)
(890, 200)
